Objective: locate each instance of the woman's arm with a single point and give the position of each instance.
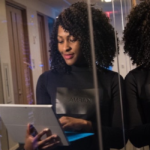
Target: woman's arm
(115, 136)
(139, 133)
(42, 95)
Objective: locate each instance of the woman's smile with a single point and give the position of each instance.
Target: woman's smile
(68, 56)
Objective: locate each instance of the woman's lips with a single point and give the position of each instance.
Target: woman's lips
(68, 56)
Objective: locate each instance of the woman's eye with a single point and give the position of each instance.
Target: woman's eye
(72, 40)
(60, 42)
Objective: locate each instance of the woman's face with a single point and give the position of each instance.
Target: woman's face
(68, 47)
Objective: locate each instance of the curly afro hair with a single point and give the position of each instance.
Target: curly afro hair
(137, 35)
(75, 20)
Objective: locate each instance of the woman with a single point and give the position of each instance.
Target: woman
(137, 45)
(69, 84)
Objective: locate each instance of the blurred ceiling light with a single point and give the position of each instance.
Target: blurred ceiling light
(106, 1)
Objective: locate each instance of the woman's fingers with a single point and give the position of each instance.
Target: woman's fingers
(63, 120)
(31, 130)
(48, 133)
(33, 142)
(50, 142)
(38, 136)
(28, 130)
(52, 145)
(67, 126)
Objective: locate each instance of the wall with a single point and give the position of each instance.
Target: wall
(32, 7)
(4, 48)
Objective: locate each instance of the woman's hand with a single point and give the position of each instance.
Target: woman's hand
(33, 142)
(74, 124)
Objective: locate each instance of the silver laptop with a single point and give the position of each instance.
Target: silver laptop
(16, 117)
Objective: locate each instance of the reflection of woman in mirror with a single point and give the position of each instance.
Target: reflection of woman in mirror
(70, 81)
(137, 45)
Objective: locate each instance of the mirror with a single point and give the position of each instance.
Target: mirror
(137, 91)
(86, 91)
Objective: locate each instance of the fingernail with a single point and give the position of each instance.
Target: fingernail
(46, 129)
(55, 135)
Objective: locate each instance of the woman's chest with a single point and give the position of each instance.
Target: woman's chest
(76, 97)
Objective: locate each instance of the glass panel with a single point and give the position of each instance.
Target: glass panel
(56, 53)
(116, 125)
(136, 46)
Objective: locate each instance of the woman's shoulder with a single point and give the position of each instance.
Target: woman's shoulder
(48, 75)
(136, 73)
(110, 73)
(111, 77)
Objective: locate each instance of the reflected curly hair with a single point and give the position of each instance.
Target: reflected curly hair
(137, 35)
(75, 20)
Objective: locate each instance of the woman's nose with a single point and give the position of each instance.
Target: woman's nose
(66, 46)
